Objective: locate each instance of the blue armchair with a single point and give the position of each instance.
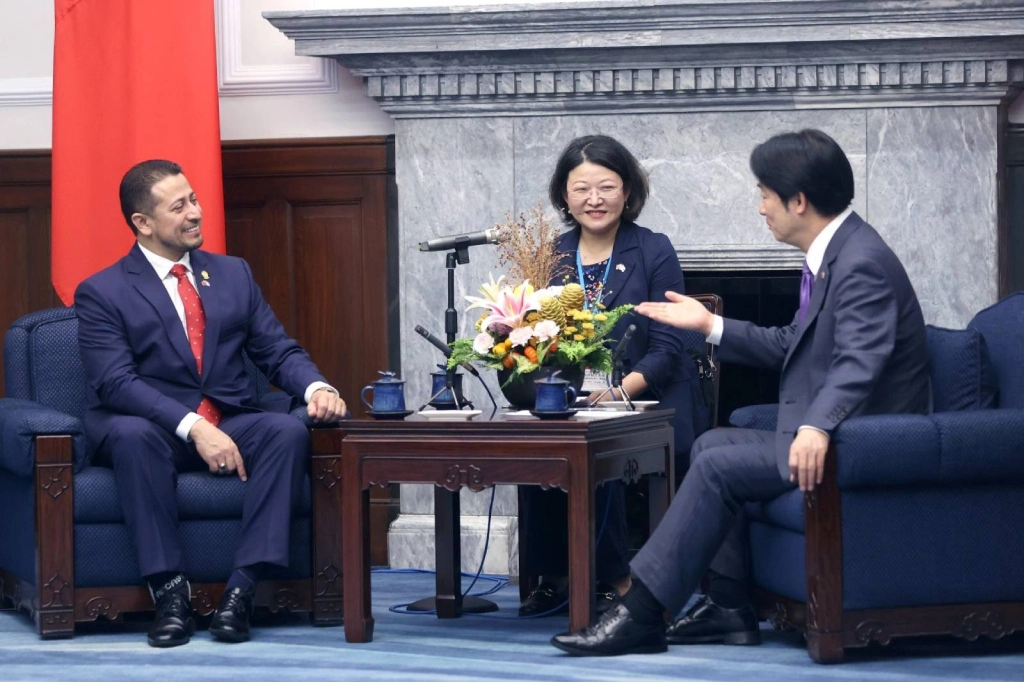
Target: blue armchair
(66, 554)
(918, 528)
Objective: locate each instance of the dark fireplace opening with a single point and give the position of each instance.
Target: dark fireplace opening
(767, 298)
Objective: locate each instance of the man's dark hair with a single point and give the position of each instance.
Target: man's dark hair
(609, 153)
(136, 189)
(810, 162)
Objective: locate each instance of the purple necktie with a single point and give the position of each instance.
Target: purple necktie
(806, 283)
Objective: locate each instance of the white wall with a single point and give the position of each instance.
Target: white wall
(256, 60)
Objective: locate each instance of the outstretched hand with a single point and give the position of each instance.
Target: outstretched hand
(681, 311)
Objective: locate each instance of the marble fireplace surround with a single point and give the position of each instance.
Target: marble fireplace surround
(485, 97)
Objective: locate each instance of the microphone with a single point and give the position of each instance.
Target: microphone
(461, 241)
(620, 349)
(444, 348)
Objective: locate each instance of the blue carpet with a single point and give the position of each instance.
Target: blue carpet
(412, 648)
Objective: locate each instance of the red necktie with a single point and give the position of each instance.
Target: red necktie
(195, 320)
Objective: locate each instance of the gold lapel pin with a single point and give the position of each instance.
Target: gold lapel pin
(205, 274)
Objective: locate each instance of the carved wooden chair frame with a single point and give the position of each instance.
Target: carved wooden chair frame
(56, 603)
(830, 629)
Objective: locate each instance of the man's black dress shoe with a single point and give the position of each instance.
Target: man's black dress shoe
(614, 634)
(175, 622)
(543, 599)
(706, 623)
(231, 619)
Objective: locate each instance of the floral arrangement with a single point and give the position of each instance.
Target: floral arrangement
(523, 328)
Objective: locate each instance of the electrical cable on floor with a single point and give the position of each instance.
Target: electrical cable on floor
(499, 582)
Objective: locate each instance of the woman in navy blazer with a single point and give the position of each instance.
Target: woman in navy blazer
(599, 189)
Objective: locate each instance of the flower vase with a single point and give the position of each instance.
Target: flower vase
(521, 393)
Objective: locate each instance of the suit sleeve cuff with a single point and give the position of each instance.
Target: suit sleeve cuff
(185, 425)
(316, 386)
(715, 337)
(813, 428)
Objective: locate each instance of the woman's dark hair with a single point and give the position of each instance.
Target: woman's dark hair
(810, 162)
(136, 191)
(609, 153)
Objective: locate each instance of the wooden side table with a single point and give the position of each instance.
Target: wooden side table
(571, 455)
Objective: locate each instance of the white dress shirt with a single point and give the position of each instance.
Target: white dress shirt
(815, 256)
(163, 271)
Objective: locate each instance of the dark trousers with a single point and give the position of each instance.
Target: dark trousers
(544, 517)
(146, 460)
(704, 527)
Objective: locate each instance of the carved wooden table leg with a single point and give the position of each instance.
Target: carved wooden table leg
(527, 583)
(356, 562)
(448, 553)
(582, 572)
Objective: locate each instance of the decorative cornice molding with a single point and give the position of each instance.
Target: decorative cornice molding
(733, 257)
(975, 82)
(26, 92)
(237, 78)
(641, 56)
(624, 23)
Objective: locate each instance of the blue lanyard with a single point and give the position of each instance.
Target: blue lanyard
(604, 280)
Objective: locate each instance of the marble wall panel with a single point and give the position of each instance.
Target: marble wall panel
(411, 544)
(702, 191)
(932, 195)
(454, 176)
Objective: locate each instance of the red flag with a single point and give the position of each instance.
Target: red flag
(131, 81)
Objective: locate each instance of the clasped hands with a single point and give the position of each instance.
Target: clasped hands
(221, 454)
(807, 452)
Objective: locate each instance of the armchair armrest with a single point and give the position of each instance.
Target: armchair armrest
(21, 421)
(953, 448)
(762, 417)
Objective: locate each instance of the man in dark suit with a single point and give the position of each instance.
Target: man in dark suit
(855, 347)
(162, 334)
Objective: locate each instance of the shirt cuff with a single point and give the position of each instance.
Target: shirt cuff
(814, 428)
(316, 386)
(717, 326)
(185, 425)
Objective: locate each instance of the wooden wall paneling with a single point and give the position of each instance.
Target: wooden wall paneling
(311, 218)
(25, 234)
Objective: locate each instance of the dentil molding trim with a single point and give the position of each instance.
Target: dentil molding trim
(234, 77)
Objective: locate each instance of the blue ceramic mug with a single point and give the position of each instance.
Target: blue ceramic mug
(388, 394)
(554, 394)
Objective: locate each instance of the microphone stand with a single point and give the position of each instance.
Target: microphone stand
(617, 363)
(450, 602)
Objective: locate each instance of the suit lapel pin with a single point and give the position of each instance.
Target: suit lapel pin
(620, 267)
(821, 275)
(204, 283)
(205, 274)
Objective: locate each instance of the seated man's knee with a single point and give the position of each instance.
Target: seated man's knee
(131, 439)
(290, 432)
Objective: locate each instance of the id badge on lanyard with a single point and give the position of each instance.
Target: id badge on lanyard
(594, 381)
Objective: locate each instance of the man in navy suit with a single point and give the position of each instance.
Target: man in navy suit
(161, 334)
(855, 347)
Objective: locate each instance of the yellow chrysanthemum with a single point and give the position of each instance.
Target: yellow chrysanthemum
(578, 337)
(601, 317)
(588, 325)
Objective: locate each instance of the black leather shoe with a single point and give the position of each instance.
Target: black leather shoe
(231, 619)
(543, 599)
(708, 623)
(614, 634)
(175, 622)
